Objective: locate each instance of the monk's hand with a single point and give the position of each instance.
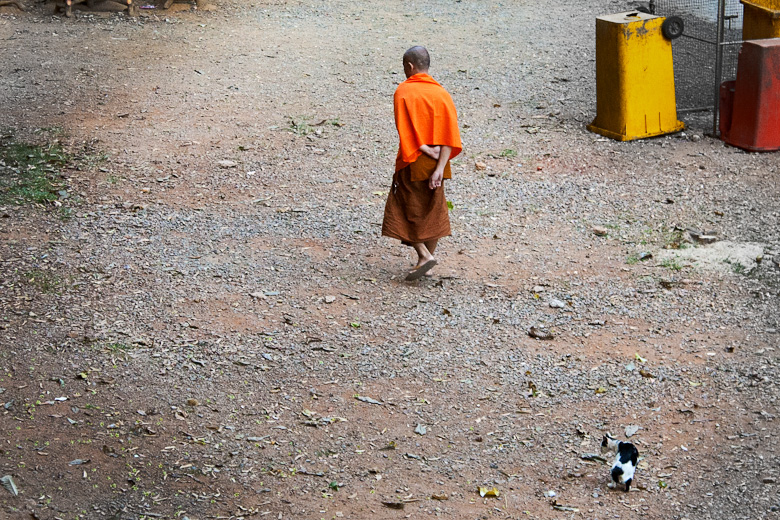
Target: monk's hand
(435, 180)
(431, 151)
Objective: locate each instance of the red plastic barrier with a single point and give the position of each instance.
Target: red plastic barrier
(750, 116)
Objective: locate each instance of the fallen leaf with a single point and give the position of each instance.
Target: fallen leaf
(489, 492)
(8, 483)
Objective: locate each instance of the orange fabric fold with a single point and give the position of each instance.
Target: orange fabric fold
(424, 114)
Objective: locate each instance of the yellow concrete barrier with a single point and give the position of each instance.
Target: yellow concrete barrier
(762, 19)
(634, 78)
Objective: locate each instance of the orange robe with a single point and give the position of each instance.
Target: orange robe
(424, 114)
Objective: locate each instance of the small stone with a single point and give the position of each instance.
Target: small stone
(769, 480)
(600, 231)
(330, 299)
(227, 164)
(480, 166)
(540, 333)
(707, 239)
(192, 402)
(632, 429)
(538, 289)
(557, 304)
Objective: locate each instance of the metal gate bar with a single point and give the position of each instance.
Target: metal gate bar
(706, 54)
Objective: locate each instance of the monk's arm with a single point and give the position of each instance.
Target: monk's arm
(438, 174)
(431, 151)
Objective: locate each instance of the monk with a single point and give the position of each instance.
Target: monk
(416, 212)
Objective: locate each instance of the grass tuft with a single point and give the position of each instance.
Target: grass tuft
(44, 281)
(672, 263)
(300, 125)
(30, 173)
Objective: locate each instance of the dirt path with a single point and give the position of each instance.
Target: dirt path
(209, 339)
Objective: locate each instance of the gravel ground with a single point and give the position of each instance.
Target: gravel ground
(209, 339)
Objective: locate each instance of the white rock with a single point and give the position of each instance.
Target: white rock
(632, 429)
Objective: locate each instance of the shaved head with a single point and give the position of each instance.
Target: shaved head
(419, 57)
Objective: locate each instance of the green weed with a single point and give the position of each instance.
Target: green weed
(300, 125)
(509, 153)
(674, 240)
(736, 267)
(29, 173)
(672, 263)
(65, 213)
(44, 281)
(118, 347)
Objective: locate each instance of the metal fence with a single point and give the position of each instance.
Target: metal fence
(706, 53)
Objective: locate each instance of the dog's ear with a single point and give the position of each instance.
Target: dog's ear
(605, 441)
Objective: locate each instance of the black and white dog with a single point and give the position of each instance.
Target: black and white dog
(625, 460)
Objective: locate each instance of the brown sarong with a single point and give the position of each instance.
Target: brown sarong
(415, 213)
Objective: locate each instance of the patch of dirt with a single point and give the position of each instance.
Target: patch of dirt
(722, 256)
